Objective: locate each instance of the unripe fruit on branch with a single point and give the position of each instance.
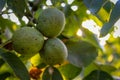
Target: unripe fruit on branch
(54, 52)
(27, 41)
(51, 22)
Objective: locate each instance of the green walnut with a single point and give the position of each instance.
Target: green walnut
(54, 52)
(51, 22)
(27, 41)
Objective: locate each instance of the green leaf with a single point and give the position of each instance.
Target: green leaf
(6, 68)
(37, 13)
(18, 7)
(90, 68)
(71, 26)
(51, 73)
(94, 5)
(105, 29)
(41, 65)
(2, 4)
(81, 53)
(90, 37)
(16, 64)
(115, 15)
(46, 75)
(56, 74)
(103, 15)
(81, 11)
(74, 18)
(101, 9)
(12, 78)
(107, 68)
(95, 66)
(1, 62)
(70, 71)
(67, 10)
(98, 75)
(4, 75)
(87, 2)
(108, 6)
